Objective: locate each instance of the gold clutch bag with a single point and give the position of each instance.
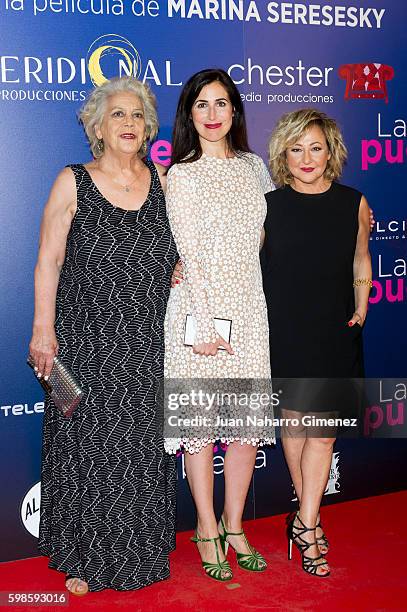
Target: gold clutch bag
(62, 387)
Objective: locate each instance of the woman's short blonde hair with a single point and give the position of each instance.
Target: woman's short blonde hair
(92, 112)
(290, 128)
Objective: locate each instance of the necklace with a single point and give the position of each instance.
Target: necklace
(127, 187)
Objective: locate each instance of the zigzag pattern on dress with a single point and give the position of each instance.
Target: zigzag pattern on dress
(108, 487)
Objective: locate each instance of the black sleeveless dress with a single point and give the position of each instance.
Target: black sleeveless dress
(307, 263)
(108, 487)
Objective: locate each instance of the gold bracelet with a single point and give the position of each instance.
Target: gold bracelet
(358, 282)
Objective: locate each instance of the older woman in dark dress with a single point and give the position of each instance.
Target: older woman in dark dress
(102, 282)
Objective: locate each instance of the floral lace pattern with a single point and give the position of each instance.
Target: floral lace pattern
(216, 209)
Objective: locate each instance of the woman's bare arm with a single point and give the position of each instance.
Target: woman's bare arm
(362, 267)
(56, 222)
(262, 237)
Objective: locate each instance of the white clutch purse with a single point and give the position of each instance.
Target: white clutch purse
(222, 326)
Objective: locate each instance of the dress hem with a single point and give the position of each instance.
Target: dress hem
(60, 568)
(180, 445)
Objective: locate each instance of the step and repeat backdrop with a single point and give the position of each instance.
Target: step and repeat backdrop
(346, 58)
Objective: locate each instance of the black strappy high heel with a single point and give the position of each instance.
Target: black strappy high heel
(322, 541)
(294, 534)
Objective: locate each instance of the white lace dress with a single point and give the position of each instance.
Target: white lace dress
(216, 209)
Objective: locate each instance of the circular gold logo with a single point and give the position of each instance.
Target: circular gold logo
(112, 44)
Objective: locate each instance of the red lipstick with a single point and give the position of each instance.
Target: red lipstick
(308, 169)
(212, 126)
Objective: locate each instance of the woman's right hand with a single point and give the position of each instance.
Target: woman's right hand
(177, 274)
(43, 348)
(211, 348)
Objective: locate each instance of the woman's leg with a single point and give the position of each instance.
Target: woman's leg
(315, 465)
(293, 440)
(199, 470)
(238, 469)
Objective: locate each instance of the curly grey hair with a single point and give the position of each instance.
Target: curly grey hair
(91, 114)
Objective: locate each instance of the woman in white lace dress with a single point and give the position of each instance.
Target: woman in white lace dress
(216, 206)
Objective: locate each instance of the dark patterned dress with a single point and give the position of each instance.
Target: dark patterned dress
(108, 487)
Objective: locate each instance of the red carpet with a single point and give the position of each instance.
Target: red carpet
(367, 559)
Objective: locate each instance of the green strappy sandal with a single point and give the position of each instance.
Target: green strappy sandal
(253, 561)
(215, 570)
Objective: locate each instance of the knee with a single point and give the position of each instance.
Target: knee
(321, 444)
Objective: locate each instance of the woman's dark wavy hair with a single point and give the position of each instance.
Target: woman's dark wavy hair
(185, 139)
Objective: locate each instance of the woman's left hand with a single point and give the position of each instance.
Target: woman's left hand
(357, 319)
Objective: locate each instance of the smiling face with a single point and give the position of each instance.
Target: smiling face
(212, 113)
(123, 127)
(307, 159)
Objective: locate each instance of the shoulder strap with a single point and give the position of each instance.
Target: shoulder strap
(154, 172)
(83, 183)
(80, 174)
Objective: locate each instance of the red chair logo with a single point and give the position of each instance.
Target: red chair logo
(366, 80)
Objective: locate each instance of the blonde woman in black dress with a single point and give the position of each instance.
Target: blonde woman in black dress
(317, 274)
